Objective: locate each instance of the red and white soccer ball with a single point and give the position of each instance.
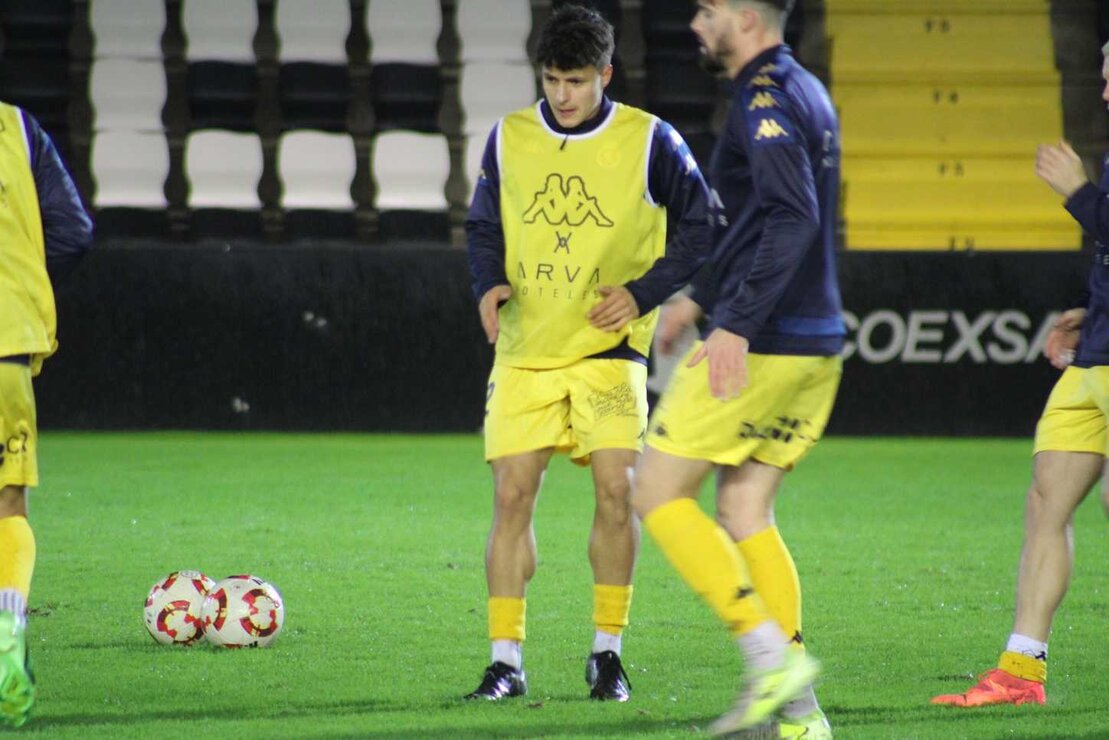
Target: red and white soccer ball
(172, 612)
(242, 611)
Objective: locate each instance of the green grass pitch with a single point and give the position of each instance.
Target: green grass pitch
(907, 551)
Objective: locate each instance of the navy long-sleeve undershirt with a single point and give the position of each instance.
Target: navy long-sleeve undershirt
(66, 227)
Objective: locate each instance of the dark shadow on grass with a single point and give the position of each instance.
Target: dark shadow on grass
(131, 645)
(862, 716)
(1092, 735)
(335, 708)
(610, 727)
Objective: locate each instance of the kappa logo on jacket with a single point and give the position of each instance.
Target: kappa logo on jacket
(770, 129)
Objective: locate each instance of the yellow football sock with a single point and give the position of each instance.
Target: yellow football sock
(611, 605)
(1023, 666)
(707, 559)
(17, 554)
(506, 618)
(775, 578)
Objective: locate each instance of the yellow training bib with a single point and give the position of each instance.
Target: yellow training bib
(26, 297)
(576, 215)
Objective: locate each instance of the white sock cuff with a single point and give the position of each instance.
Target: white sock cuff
(763, 647)
(508, 652)
(603, 641)
(12, 601)
(1027, 646)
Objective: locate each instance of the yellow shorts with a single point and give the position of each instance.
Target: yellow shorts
(1074, 419)
(590, 405)
(18, 431)
(775, 420)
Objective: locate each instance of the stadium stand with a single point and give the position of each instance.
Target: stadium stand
(128, 29)
(131, 169)
(496, 75)
(942, 105)
(940, 101)
(127, 92)
(34, 62)
(223, 162)
(222, 73)
(316, 170)
(224, 168)
(316, 157)
(411, 171)
(314, 78)
(677, 90)
(494, 31)
(411, 156)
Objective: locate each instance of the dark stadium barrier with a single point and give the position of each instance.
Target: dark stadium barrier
(266, 336)
(949, 343)
(320, 336)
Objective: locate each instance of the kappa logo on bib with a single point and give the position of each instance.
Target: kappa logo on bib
(565, 202)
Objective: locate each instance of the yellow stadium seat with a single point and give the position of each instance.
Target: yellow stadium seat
(861, 237)
(978, 49)
(838, 8)
(942, 104)
(949, 120)
(938, 27)
(943, 204)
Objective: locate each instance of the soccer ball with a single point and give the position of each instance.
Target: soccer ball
(242, 611)
(172, 612)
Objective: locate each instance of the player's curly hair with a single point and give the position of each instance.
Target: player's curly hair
(575, 37)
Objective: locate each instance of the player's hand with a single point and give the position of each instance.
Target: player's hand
(1061, 168)
(676, 314)
(727, 356)
(615, 310)
(488, 307)
(1063, 338)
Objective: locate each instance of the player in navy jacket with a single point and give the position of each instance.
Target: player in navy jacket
(772, 347)
(1070, 450)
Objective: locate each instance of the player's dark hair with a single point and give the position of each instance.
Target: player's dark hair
(575, 37)
(784, 7)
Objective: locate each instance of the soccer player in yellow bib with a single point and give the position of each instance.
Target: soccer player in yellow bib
(44, 231)
(775, 333)
(1070, 449)
(568, 248)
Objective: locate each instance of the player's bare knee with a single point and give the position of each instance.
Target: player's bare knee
(741, 524)
(614, 492)
(1044, 514)
(13, 501)
(1035, 502)
(510, 499)
(1105, 496)
(614, 505)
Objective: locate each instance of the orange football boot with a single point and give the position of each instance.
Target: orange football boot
(996, 687)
